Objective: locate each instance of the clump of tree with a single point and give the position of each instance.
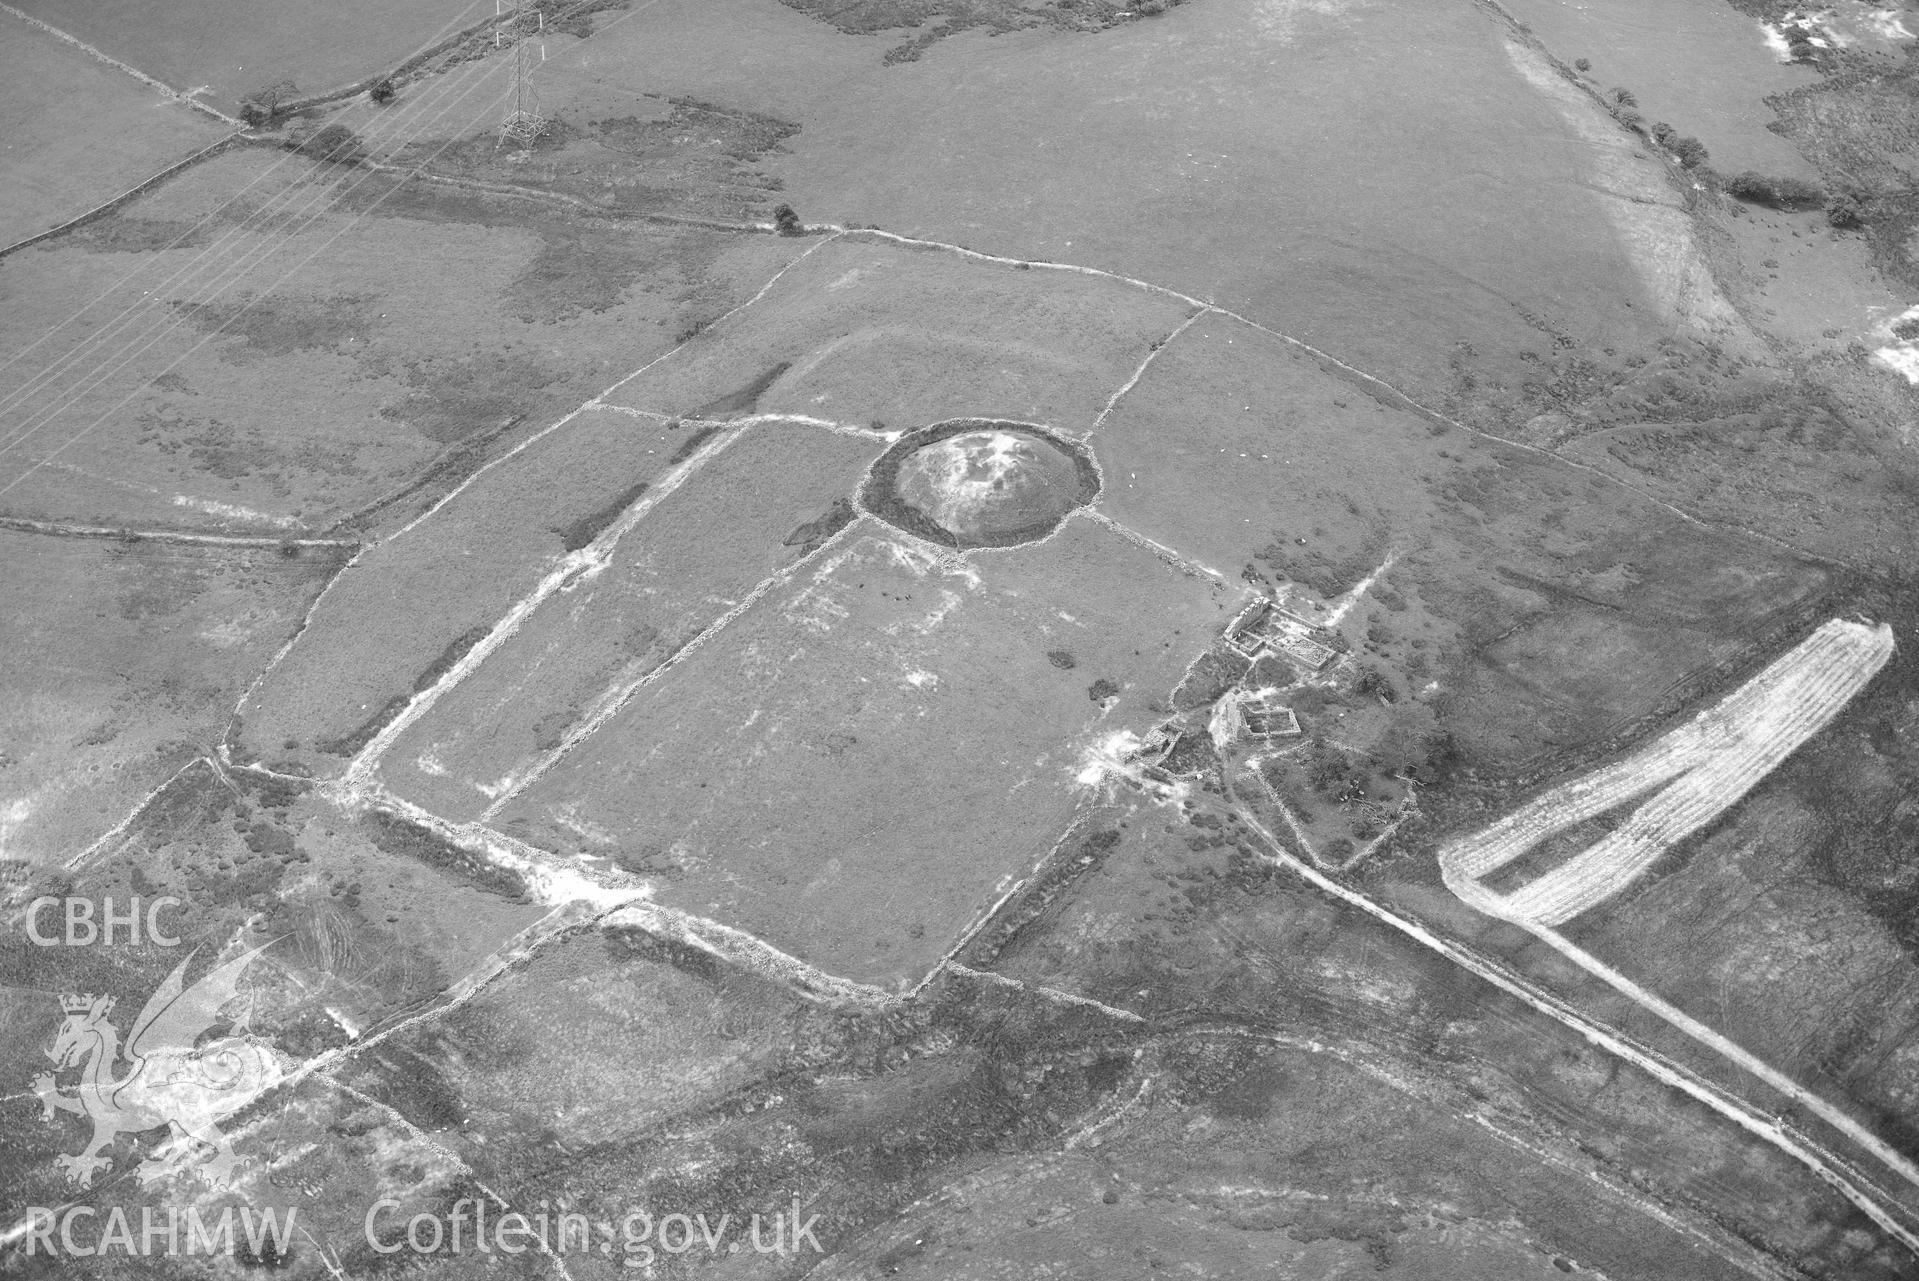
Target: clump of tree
(1374, 683)
(1621, 103)
(382, 91)
(1582, 64)
(1776, 193)
(1845, 212)
(788, 223)
(262, 107)
(1330, 772)
(1414, 744)
(1688, 151)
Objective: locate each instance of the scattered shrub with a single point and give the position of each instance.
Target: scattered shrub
(336, 144)
(1664, 134)
(1845, 213)
(1582, 64)
(382, 91)
(1623, 97)
(1799, 44)
(787, 222)
(1906, 330)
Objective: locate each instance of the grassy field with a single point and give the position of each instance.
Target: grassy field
(151, 645)
(866, 333)
(1432, 163)
(687, 563)
(1799, 278)
(78, 132)
(1246, 1179)
(236, 48)
(650, 155)
(278, 345)
(1539, 588)
(1818, 481)
(829, 770)
(1699, 65)
(1279, 449)
(611, 1039)
(1778, 958)
(389, 619)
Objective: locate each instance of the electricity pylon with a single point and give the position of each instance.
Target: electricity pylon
(523, 122)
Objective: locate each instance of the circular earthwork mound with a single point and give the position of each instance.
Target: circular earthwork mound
(980, 482)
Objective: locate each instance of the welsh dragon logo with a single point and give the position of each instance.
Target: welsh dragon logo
(169, 1080)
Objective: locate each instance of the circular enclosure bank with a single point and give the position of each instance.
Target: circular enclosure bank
(980, 482)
